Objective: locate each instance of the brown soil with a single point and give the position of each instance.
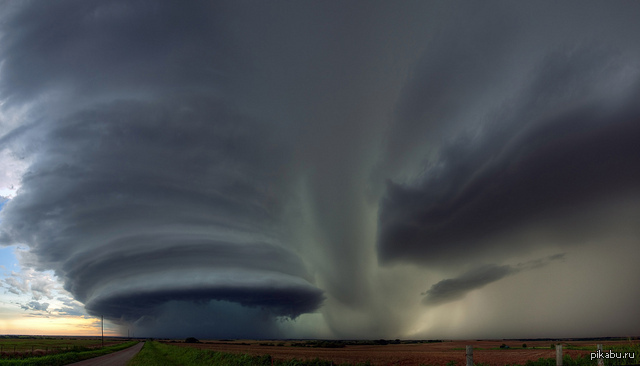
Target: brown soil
(435, 354)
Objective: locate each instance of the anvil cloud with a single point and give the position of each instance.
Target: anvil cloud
(308, 169)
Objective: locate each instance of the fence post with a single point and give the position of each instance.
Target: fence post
(469, 355)
(558, 355)
(600, 360)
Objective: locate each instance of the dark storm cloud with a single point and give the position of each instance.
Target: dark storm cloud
(561, 150)
(153, 204)
(554, 169)
(216, 319)
(107, 47)
(453, 289)
(275, 298)
(147, 186)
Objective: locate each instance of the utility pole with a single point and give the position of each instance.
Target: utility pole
(102, 316)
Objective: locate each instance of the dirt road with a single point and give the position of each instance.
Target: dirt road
(119, 358)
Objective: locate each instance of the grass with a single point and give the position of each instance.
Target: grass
(158, 354)
(64, 358)
(586, 360)
(634, 349)
(23, 344)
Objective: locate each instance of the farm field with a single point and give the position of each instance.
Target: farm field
(60, 355)
(11, 346)
(441, 353)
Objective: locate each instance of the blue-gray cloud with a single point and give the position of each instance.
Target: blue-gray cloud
(453, 289)
(153, 187)
(35, 305)
(550, 158)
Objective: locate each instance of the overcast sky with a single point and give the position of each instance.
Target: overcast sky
(341, 169)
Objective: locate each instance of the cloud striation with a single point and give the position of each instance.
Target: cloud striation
(166, 194)
(453, 289)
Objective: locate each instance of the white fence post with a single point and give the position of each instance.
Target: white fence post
(558, 355)
(469, 355)
(600, 360)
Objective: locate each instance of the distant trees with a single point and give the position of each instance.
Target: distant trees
(319, 344)
(191, 340)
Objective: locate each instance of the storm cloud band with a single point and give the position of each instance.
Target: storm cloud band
(556, 166)
(134, 190)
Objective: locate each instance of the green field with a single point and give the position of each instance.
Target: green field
(20, 344)
(61, 351)
(158, 354)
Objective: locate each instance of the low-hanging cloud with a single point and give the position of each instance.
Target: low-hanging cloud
(163, 195)
(529, 165)
(179, 226)
(453, 289)
(35, 305)
(71, 307)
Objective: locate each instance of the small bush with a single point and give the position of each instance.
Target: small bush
(191, 340)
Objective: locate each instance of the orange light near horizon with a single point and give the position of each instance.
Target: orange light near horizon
(30, 325)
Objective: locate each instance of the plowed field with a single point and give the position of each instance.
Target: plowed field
(436, 354)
